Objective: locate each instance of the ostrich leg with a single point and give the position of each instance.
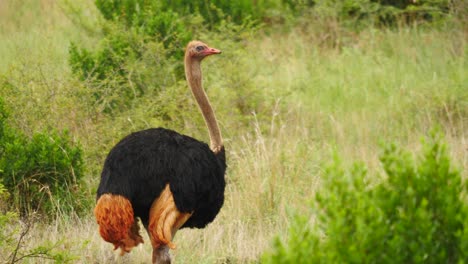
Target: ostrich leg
(161, 255)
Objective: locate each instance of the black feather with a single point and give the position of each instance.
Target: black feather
(142, 163)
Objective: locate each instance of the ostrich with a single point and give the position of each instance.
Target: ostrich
(168, 180)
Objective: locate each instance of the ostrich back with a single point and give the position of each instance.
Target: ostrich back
(142, 163)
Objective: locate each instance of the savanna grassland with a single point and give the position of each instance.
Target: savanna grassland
(290, 96)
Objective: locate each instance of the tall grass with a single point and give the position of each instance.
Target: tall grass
(329, 91)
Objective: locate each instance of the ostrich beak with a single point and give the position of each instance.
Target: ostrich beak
(211, 51)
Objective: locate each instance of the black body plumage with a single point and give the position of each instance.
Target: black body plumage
(142, 163)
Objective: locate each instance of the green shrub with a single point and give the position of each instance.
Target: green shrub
(113, 71)
(383, 13)
(107, 71)
(119, 70)
(42, 172)
(139, 12)
(417, 214)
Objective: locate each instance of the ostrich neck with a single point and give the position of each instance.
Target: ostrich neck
(194, 78)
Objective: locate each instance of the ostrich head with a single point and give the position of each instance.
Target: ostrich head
(199, 50)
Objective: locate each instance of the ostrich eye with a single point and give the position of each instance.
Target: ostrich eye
(199, 48)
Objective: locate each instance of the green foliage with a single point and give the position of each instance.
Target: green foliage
(4, 195)
(386, 13)
(107, 71)
(41, 172)
(3, 118)
(114, 69)
(417, 214)
(138, 12)
(117, 72)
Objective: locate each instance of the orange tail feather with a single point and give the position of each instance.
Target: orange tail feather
(117, 224)
(165, 220)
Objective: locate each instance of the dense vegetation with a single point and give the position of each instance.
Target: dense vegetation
(298, 83)
(415, 213)
(42, 172)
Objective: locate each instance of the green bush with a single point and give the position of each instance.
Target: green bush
(116, 70)
(136, 13)
(417, 214)
(107, 72)
(119, 71)
(383, 13)
(42, 172)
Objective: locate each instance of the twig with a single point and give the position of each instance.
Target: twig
(22, 235)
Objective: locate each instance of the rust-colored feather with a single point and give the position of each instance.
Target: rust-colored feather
(117, 225)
